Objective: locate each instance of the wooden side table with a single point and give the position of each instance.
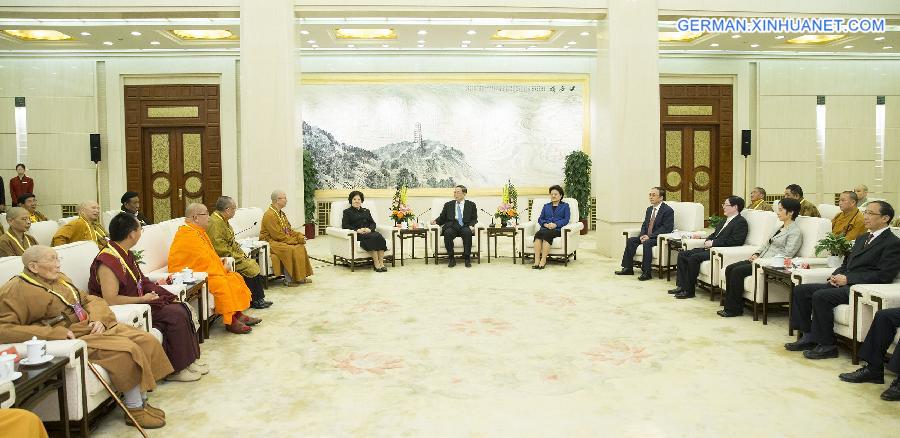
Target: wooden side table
(411, 234)
(261, 256)
(781, 276)
(496, 232)
(199, 292)
(671, 246)
(37, 382)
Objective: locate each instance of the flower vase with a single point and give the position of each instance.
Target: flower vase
(504, 222)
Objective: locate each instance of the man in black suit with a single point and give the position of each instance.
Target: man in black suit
(875, 258)
(659, 219)
(731, 232)
(458, 219)
(878, 340)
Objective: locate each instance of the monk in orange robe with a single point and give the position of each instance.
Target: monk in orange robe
(85, 227)
(192, 249)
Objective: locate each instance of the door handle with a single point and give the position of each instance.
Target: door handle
(179, 194)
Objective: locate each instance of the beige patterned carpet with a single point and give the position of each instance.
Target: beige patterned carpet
(502, 350)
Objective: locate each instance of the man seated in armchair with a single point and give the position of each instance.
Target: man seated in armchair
(43, 303)
(875, 258)
(878, 340)
(730, 232)
(658, 219)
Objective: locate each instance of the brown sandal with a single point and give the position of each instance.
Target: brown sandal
(237, 327)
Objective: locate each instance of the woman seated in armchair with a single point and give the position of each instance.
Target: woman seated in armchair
(554, 216)
(360, 220)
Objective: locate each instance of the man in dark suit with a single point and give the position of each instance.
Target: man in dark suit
(659, 219)
(458, 219)
(731, 232)
(878, 340)
(875, 258)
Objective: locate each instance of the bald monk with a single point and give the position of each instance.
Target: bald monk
(192, 249)
(849, 222)
(222, 236)
(16, 239)
(41, 302)
(29, 202)
(288, 246)
(21, 424)
(86, 227)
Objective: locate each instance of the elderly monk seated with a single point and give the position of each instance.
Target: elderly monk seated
(288, 246)
(192, 249)
(29, 202)
(85, 227)
(222, 236)
(16, 239)
(849, 221)
(42, 302)
(117, 278)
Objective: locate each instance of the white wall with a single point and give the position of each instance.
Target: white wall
(61, 108)
(787, 119)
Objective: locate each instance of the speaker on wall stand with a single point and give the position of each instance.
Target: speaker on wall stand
(94, 145)
(745, 151)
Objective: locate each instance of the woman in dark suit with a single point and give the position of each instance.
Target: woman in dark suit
(554, 216)
(360, 220)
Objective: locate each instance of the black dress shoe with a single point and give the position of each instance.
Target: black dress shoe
(863, 375)
(684, 295)
(258, 304)
(625, 272)
(451, 263)
(676, 290)
(799, 346)
(892, 393)
(822, 352)
(468, 263)
(644, 277)
(728, 314)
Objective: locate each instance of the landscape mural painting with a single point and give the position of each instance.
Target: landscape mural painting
(431, 135)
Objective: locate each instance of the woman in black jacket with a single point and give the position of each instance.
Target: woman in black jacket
(359, 219)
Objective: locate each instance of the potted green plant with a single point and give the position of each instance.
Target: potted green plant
(577, 183)
(309, 195)
(837, 246)
(714, 221)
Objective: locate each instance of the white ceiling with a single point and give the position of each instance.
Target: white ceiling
(443, 35)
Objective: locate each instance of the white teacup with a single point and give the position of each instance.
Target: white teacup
(777, 262)
(7, 365)
(37, 348)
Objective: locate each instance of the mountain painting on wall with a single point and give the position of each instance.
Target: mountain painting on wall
(432, 135)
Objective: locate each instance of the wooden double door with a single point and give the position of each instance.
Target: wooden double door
(173, 147)
(690, 172)
(175, 179)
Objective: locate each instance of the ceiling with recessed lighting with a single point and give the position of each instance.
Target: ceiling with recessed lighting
(322, 34)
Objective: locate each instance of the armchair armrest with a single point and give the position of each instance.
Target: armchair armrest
(888, 294)
(692, 243)
(575, 226)
(134, 315)
(9, 389)
(340, 233)
(66, 348)
(814, 275)
(733, 254)
(631, 232)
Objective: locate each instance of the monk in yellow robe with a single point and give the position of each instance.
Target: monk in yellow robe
(758, 200)
(192, 249)
(222, 236)
(29, 202)
(85, 227)
(849, 221)
(288, 247)
(807, 208)
(43, 303)
(15, 240)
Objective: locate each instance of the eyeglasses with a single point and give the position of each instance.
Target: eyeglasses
(867, 212)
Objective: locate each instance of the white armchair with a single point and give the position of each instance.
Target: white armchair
(43, 231)
(66, 220)
(344, 246)
(436, 242)
(760, 226)
(566, 246)
(828, 211)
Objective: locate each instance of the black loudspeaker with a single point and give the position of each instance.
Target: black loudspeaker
(745, 142)
(95, 148)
